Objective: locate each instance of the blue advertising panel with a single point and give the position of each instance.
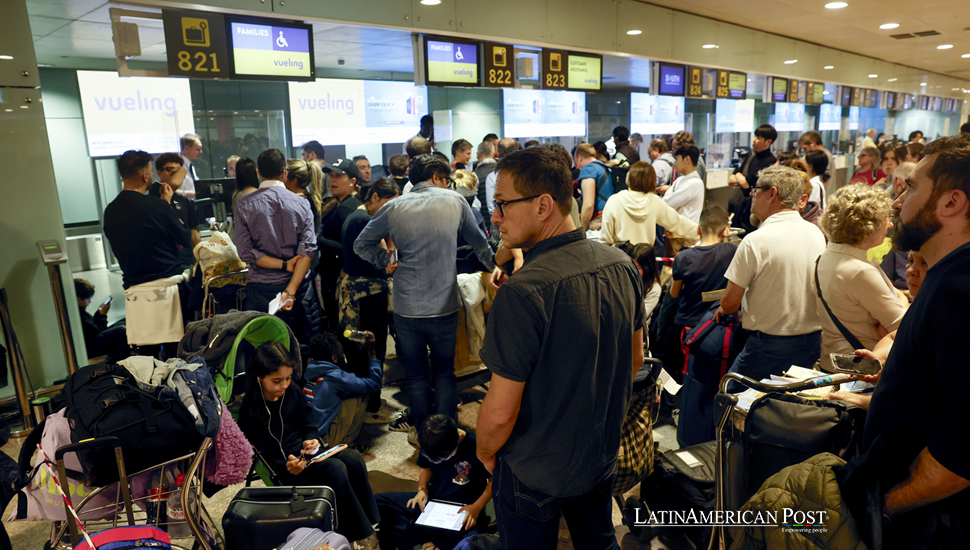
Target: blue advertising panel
(671, 80)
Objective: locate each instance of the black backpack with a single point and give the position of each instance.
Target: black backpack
(105, 400)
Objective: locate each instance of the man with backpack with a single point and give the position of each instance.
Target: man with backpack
(662, 160)
(595, 184)
(625, 152)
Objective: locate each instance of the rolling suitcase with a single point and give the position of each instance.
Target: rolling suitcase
(258, 518)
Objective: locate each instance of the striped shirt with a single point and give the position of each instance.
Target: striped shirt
(273, 222)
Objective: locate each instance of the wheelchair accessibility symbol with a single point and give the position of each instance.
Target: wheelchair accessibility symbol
(458, 54)
(281, 42)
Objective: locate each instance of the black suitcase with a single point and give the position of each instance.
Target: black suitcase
(259, 517)
(675, 486)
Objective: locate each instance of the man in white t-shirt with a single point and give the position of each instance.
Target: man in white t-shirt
(686, 195)
(771, 280)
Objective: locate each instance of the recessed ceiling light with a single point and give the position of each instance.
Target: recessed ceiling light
(8, 110)
(25, 106)
(827, 67)
(6, 57)
(873, 76)
(893, 79)
(430, 2)
(709, 46)
(835, 5)
(791, 62)
(888, 26)
(944, 46)
(922, 84)
(634, 32)
(966, 56)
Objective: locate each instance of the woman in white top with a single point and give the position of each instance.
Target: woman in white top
(633, 214)
(859, 294)
(817, 163)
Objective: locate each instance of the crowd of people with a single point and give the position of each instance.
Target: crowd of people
(571, 242)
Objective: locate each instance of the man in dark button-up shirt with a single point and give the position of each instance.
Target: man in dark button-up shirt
(564, 341)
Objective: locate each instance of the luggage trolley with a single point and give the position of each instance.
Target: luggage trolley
(123, 512)
(729, 455)
(225, 297)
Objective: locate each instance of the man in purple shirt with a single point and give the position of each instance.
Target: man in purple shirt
(274, 236)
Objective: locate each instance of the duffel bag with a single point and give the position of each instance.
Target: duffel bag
(783, 429)
(258, 518)
(105, 400)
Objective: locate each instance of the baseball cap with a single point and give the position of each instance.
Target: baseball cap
(343, 166)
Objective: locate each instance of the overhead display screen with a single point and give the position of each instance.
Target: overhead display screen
(539, 113)
(671, 79)
(818, 93)
(336, 111)
(269, 50)
(829, 117)
(134, 112)
(656, 115)
(789, 117)
(585, 72)
(733, 115)
(451, 63)
(737, 85)
(779, 89)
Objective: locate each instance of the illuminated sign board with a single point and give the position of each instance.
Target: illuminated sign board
(264, 49)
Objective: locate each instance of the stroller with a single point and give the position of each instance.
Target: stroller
(229, 340)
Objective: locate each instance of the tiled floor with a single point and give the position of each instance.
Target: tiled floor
(389, 452)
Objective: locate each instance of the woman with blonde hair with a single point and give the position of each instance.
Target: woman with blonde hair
(306, 180)
(869, 167)
(848, 287)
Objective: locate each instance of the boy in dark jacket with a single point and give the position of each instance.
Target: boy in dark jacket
(337, 395)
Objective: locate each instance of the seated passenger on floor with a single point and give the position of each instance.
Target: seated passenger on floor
(279, 422)
(337, 395)
(99, 338)
(450, 472)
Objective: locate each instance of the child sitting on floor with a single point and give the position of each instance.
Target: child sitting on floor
(450, 472)
(337, 395)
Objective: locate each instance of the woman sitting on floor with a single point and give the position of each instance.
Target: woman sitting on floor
(277, 419)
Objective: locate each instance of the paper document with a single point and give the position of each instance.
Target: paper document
(275, 303)
(442, 516)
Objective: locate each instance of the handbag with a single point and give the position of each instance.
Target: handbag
(853, 341)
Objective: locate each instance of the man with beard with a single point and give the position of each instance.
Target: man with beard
(918, 428)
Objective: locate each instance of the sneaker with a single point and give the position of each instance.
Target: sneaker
(413, 438)
(402, 423)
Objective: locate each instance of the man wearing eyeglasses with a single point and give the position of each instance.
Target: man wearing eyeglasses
(424, 226)
(171, 172)
(563, 342)
(770, 279)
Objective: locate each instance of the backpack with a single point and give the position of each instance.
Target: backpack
(710, 349)
(106, 400)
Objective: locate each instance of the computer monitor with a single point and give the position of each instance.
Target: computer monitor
(214, 198)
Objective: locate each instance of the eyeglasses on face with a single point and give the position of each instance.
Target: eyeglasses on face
(500, 205)
(756, 190)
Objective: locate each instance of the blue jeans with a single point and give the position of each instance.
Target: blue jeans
(529, 519)
(416, 335)
(764, 354)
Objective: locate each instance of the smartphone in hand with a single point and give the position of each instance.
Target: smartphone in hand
(854, 364)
